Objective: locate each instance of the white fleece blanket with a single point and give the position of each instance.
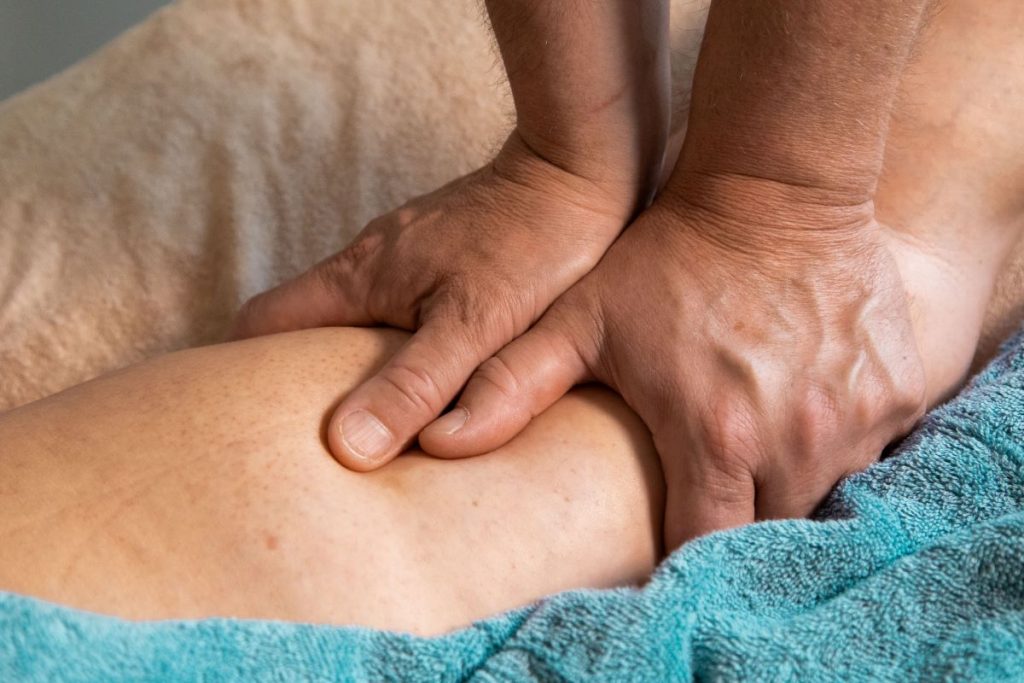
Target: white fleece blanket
(224, 145)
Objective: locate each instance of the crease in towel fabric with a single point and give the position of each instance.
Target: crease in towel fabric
(913, 570)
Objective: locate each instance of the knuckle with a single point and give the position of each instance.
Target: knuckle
(816, 421)
(579, 324)
(402, 217)
(357, 257)
(731, 438)
(354, 270)
(458, 298)
(330, 275)
(726, 487)
(348, 261)
(490, 313)
(496, 373)
(415, 388)
(881, 404)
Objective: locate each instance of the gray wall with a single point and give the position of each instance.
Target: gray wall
(38, 38)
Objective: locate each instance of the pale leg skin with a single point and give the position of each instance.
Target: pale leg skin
(198, 485)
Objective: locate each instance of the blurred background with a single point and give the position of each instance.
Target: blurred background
(38, 38)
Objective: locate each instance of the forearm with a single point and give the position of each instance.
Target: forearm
(799, 93)
(590, 81)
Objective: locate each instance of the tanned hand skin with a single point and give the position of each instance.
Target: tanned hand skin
(472, 265)
(753, 316)
(796, 96)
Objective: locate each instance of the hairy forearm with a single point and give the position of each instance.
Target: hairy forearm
(590, 81)
(800, 92)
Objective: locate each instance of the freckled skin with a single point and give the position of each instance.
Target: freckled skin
(156, 492)
(197, 482)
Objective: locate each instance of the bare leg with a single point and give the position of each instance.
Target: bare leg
(196, 485)
(136, 495)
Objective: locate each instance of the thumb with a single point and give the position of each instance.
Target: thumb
(380, 417)
(507, 392)
(703, 494)
(326, 294)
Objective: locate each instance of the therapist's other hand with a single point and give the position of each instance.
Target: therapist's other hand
(468, 268)
(765, 341)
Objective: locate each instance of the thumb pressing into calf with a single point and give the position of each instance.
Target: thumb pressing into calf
(505, 393)
(383, 415)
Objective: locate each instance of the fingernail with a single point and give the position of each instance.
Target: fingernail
(453, 421)
(365, 435)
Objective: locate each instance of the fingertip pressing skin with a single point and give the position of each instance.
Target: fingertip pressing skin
(504, 394)
(460, 433)
(463, 433)
(451, 422)
(359, 441)
(383, 415)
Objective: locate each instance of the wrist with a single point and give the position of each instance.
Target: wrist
(744, 213)
(800, 93)
(621, 181)
(621, 161)
(591, 86)
(822, 170)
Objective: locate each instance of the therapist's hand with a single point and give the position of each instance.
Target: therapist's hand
(764, 340)
(468, 267)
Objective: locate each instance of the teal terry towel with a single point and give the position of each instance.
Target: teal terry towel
(914, 570)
